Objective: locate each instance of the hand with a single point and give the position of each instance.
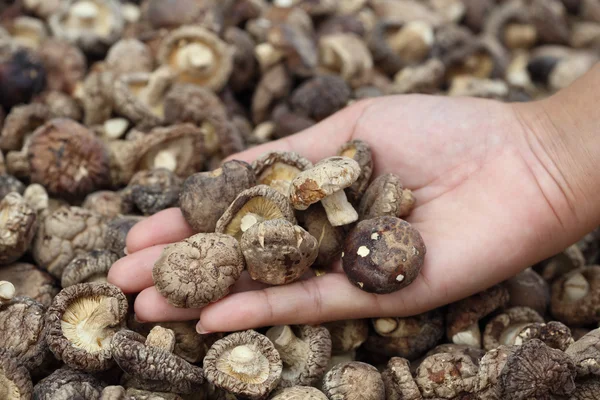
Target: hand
(489, 204)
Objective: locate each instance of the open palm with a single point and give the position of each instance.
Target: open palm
(487, 207)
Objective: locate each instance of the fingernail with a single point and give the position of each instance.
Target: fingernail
(200, 329)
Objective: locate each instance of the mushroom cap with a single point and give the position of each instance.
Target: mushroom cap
(386, 196)
(30, 281)
(23, 333)
(504, 328)
(67, 158)
(116, 233)
(354, 380)
(245, 67)
(567, 260)
(383, 255)
(15, 382)
(153, 190)
(275, 84)
(65, 233)
(278, 252)
(299, 393)
(252, 205)
(576, 297)
(120, 393)
(129, 55)
(319, 97)
(586, 390)
(491, 365)
(446, 375)
(23, 76)
(347, 335)
(474, 353)
(244, 363)
(8, 184)
(273, 167)
(326, 177)
(20, 122)
(554, 334)
(65, 64)
(198, 270)
(398, 381)
(106, 202)
(90, 267)
(154, 368)
(81, 322)
(346, 55)
(67, 384)
(535, 370)
(528, 289)
(330, 238)
(18, 223)
(206, 195)
(360, 152)
(424, 78)
(585, 353)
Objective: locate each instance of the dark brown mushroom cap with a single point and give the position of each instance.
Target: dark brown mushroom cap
(491, 365)
(253, 205)
(554, 334)
(537, 371)
(90, 267)
(21, 121)
(468, 311)
(360, 152)
(15, 382)
(386, 196)
(586, 390)
(106, 203)
(65, 64)
(8, 184)
(504, 328)
(585, 353)
(299, 393)
(65, 233)
(398, 381)
(567, 260)
(287, 122)
(18, 223)
(206, 195)
(528, 289)
(163, 370)
(116, 233)
(245, 364)
(330, 238)
(30, 282)
(274, 85)
(305, 351)
(276, 166)
(354, 380)
(153, 190)
(383, 255)
(576, 297)
(22, 75)
(129, 55)
(23, 333)
(67, 158)
(278, 252)
(68, 384)
(408, 337)
(199, 270)
(320, 97)
(347, 335)
(446, 375)
(81, 322)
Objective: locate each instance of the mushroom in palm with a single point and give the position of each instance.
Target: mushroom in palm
(386, 196)
(278, 168)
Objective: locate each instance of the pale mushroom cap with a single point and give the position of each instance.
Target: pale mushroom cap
(299, 393)
(354, 380)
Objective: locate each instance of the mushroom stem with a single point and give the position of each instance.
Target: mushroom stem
(292, 350)
(576, 288)
(250, 219)
(510, 334)
(114, 128)
(195, 56)
(165, 159)
(385, 326)
(470, 336)
(267, 55)
(7, 292)
(157, 85)
(244, 360)
(339, 210)
(162, 338)
(85, 11)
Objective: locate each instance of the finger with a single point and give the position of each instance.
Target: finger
(166, 226)
(151, 306)
(317, 142)
(133, 273)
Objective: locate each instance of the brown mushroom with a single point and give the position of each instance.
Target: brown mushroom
(81, 323)
(30, 282)
(360, 152)
(398, 381)
(116, 233)
(305, 351)
(511, 24)
(446, 375)
(65, 384)
(245, 364)
(585, 353)
(153, 190)
(278, 168)
(299, 393)
(65, 233)
(474, 353)
(528, 289)
(386, 196)
(7, 292)
(352, 381)
(346, 55)
(251, 206)
(504, 328)
(18, 223)
(576, 297)
(198, 56)
(330, 238)
(15, 382)
(487, 385)
(320, 97)
(41, 8)
(107, 203)
(347, 335)
(383, 255)
(549, 19)
(129, 56)
(91, 267)
(284, 123)
(563, 262)
(96, 96)
(65, 64)
(554, 334)
(20, 122)
(22, 75)
(483, 58)
(274, 85)
(61, 105)
(199, 270)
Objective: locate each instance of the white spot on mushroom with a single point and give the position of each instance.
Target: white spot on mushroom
(360, 284)
(400, 278)
(82, 172)
(247, 221)
(363, 251)
(375, 236)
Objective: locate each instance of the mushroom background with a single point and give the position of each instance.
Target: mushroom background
(113, 110)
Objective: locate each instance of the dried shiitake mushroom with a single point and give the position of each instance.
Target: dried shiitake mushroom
(15, 382)
(199, 270)
(446, 375)
(386, 196)
(65, 64)
(22, 75)
(30, 282)
(554, 334)
(151, 191)
(89, 267)
(7, 292)
(360, 152)
(576, 297)
(20, 122)
(330, 238)
(347, 335)
(107, 203)
(299, 393)
(129, 56)
(66, 383)
(398, 381)
(585, 353)
(528, 289)
(81, 322)
(61, 105)
(505, 327)
(354, 380)
(278, 168)
(383, 255)
(116, 233)
(320, 97)
(346, 55)
(567, 260)
(18, 223)
(120, 393)
(245, 364)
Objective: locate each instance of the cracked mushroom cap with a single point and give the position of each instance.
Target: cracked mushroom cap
(68, 384)
(206, 195)
(474, 353)
(93, 25)
(446, 375)
(360, 152)
(81, 322)
(199, 270)
(536, 371)
(88, 268)
(305, 351)
(153, 190)
(320, 97)
(20, 122)
(554, 334)
(408, 337)
(116, 233)
(23, 333)
(585, 353)
(528, 289)
(354, 380)
(346, 55)
(299, 393)
(106, 203)
(576, 297)
(325, 182)
(383, 255)
(65, 233)
(67, 158)
(251, 206)
(65, 64)
(330, 238)
(398, 381)
(278, 252)
(347, 335)
(129, 56)
(245, 364)
(8, 184)
(278, 168)
(18, 224)
(487, 385)
(198, 55)
(462, 318)
(30, 282)
(504, 328)
(15, 382)
(386, 196)
(152, 364)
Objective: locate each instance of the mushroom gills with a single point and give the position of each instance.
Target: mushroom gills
(292, 350)
(257, 209)
(339, 210)
(511, 334)
(246, 364)
(576, 288)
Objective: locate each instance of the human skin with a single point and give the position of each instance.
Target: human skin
(499, 187)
